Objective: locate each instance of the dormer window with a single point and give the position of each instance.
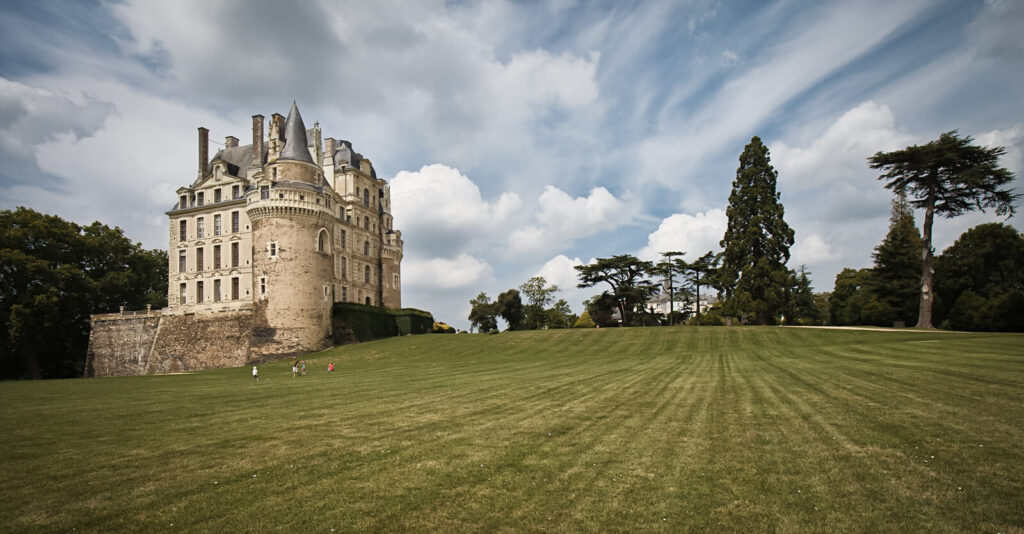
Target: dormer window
(216, 195)
(236, 191)
(264, 192)
(183, 202)
(199, 199)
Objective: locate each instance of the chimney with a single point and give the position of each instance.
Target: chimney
(279, 123)
(204, 150)
(230, 142)
(329, 147)
(257, 138)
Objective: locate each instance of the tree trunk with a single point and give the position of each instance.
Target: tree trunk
(924, 315)
(698, 299)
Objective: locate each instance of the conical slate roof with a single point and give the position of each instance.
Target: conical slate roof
(295, 137)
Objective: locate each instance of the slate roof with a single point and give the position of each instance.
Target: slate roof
(295, 142)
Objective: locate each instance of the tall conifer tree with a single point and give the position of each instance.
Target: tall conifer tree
(896, 277)
(757, 240)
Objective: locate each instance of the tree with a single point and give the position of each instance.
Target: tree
(800, 300)
(510, 308)
(53, 275)
(539, 297)
(698, 272)
(949, 177)
(626, 276)
(482, 313)
(757, 240)
(668, 269)
(560, 315)
(982, 275)
(897, 271)
(584, 321)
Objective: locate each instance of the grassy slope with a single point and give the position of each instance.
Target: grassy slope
(734, 429)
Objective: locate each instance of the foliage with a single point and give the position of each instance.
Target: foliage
(53, 275)
(359, 322)
(483, 313)
(896, 275)
(757, 240)
(846, 303)
(442, 328)
(510, 308)
(538, 296)
(627, 277)
(584, 321)
(601, 309)
(698, 272)
(560, 315)
(667, 270)
(984, 269)
(799, 305)
(949, 177)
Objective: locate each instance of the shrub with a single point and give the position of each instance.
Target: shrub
(442, 328)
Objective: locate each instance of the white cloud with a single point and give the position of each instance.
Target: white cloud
(461, 272)
(810, 250)
(560, 272)
(562, 219)
(692, 234)
(441, 211)
(840, 154)
(1012, 139)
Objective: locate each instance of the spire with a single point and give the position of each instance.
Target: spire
(295, 137)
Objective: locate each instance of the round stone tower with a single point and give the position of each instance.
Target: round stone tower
(292, 259)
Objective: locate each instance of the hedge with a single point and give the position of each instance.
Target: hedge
(357, 322)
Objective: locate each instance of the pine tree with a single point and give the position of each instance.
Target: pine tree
(896, 276)
(757, 240)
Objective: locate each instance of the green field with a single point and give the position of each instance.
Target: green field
(655, 429)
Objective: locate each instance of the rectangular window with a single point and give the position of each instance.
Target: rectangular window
(234, 222)
(395, 281)
(343, 239)
(234, 288)
(344, 294)
(216, 290)
(344, 268)
(236, 191)
(183, 293)
(200, 227)
(234, 254)
(199, 292)
(263, 285)
(216, 195)
(182, 230)
(272, 249)
(199, 259)
(264, 192)
(183, 201)
(199, 199)
(216, 256)
(181, 261)
(216, 225)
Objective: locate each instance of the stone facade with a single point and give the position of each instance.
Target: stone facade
(261, 244)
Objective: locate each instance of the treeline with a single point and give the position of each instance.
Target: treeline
(540, 310)
(976, 284)
(53, 275)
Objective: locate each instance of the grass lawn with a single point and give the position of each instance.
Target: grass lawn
(743, 429)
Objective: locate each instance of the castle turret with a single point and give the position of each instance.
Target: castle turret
(292, 241)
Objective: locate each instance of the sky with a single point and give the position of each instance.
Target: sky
(519, 138)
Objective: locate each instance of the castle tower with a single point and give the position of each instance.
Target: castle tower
(292, 238)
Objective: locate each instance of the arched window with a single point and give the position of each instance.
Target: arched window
(368, 301)
(366, 248)
(366, 274)
(366, 223)
(322, 241)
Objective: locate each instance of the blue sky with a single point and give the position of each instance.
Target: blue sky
(519, 138)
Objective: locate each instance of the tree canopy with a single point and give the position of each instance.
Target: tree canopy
(53, 275)
(949, 177)
(626, 275)
(483, 313)
(757, 240)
